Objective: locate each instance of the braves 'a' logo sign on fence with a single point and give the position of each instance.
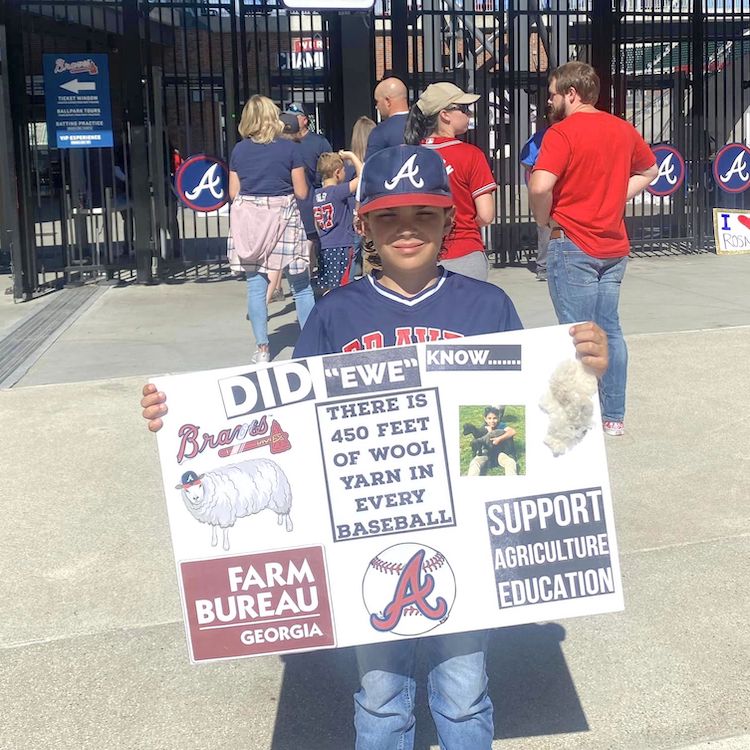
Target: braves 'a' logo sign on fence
(732, 168)
(671, 171)
(202, 182)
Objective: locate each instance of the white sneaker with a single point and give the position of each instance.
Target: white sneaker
(260, 356)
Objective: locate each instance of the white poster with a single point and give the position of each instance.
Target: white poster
(732, 231)
(365, 497)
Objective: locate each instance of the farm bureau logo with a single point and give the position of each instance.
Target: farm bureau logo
(671, 171)
(408, 589)
(732, 168)
(201, 183)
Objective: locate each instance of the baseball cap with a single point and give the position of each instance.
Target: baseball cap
(295, 108)
(291, 123)
(403, 176)
(441, 95)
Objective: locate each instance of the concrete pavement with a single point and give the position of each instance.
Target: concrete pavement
(93, 648)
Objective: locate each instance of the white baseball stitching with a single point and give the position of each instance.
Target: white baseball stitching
(393, 568)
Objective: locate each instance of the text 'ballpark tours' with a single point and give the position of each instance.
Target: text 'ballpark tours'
(388, 493)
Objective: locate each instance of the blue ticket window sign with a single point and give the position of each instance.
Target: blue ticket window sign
(76, 95)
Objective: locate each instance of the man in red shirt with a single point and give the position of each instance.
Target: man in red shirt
(590, 164)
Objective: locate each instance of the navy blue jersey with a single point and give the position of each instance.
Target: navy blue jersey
(311, 146)
(366, 315)
(349, 174)
(334, 216)
(390, 132)
(265, 168)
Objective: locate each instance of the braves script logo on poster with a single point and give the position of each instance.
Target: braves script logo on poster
(201, 182)
(193, 443)
(256, 604)
(408, 589)
(671, 171)
(266, 388)
(731, 170)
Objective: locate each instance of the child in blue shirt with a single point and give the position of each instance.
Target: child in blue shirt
(406, 211)
(334, 218)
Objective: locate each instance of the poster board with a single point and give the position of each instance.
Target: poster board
(332, 501)
(732, 231)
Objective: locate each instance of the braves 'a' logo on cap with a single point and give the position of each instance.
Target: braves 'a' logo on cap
(409, 171)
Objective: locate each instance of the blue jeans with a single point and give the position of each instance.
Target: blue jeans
(456, 690)
(586, 288)
(257, 308)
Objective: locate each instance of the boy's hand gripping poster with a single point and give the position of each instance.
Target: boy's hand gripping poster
(390, 493)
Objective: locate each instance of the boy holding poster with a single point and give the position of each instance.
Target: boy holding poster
(406, 212)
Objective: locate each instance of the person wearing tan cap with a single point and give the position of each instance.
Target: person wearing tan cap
(436, 121)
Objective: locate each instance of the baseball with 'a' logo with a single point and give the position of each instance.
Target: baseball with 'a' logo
(408, 589)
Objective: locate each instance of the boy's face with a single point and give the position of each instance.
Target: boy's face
(491, 420)
(408, 237)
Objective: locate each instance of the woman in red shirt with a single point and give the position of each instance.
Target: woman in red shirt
(436, 121)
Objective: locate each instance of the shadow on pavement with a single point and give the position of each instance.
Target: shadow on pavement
(530, 684)
(284, 336)
(315, 702)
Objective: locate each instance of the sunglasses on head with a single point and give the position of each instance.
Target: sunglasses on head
(465, 108)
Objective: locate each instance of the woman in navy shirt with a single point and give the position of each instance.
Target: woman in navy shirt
(268, 171)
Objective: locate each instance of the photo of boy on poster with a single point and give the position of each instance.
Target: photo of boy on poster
(496, 448)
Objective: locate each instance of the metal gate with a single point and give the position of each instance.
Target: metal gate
(179, 72)
(677, 69)
(181, 69)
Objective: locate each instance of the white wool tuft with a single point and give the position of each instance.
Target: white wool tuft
(569, 404)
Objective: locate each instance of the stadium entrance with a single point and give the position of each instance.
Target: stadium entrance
(178, 72)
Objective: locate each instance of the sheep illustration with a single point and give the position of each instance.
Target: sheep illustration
(221, 496)
(569, 403)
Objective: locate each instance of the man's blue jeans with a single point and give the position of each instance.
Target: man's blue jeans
(456, 691)
(257, 308)
(586, 288)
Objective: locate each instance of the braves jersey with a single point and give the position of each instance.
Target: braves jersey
(334, 217)
(388, 133)
(470, 176)
(367, 315)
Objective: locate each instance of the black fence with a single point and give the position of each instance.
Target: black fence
(180, 71)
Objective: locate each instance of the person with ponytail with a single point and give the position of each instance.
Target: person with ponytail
(440, 116)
